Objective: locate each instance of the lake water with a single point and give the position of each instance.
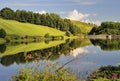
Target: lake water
(81, 55)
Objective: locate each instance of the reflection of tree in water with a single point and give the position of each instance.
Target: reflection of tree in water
(52, 53)
(10, 59)
(107, 44)
(2, 48)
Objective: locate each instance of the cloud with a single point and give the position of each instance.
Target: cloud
(75, 15)
(85, 2)
(97, 22)
(41, 12)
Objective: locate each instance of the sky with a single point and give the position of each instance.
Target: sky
(92, 11)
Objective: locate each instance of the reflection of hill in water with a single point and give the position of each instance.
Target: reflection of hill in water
(51, 53)
(109, 45)
(17, 48)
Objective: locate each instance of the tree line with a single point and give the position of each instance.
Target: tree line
(49, 19)
(107, 28)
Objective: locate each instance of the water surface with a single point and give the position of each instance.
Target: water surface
(86, 55)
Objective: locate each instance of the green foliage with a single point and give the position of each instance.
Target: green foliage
(7, 13)
(2, 48)
(84, 27)
(47, 35)
(2, 33)
(107, 44)
(49, 73)
(52, 20)
(68, 33)
(107, 28)
(106, 73)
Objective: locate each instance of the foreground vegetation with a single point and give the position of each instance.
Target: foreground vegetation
(106, 73)
(51, 72)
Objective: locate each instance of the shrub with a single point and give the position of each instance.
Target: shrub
(68, 33)
(2, 33)
(47, 35)
(106, 73)
(49, 73)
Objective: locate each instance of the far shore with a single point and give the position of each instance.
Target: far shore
(103, 36)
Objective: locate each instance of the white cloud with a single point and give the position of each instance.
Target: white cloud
(93, 22)
(85, 2)
(41, 12)
(75, 15)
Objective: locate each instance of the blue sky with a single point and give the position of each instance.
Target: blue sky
(94, 11)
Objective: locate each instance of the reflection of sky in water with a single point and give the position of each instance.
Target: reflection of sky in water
(90, 57)
(86, 59)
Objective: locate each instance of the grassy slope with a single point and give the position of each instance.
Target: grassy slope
(17, 28)
(85, 28)
(11, 50)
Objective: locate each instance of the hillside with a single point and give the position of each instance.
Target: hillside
(21, 29)
(85, 28)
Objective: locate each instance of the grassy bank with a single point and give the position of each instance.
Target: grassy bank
(16, 28)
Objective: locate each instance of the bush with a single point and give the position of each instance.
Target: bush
(49, 73)
(2, 48)
(47, 35)
(2, 33)
(68, 33)
(106, 73)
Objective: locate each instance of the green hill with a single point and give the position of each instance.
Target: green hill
(16, 28)
(85, 28)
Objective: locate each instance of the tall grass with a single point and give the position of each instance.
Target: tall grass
(48, 73)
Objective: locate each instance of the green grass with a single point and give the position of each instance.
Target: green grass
(2, 41)
(85, 28)
(14, 49)
(22, 29)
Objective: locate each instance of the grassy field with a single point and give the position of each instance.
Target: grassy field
(21, 29)
(2, 41)
(85, 28)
